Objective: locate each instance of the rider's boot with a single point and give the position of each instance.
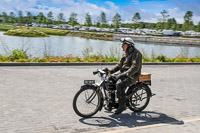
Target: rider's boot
(108, 107)
(122, 106)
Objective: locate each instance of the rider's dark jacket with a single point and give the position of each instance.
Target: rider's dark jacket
(130, 64)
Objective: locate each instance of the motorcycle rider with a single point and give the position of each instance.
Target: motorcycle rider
(130, 69)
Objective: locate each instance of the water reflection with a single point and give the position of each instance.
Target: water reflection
(65, 45)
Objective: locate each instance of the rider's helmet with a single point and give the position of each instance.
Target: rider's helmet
(127, 40)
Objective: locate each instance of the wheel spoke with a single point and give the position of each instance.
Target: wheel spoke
(86, 94)
(139, 99)
(86, 102)
(93, 104)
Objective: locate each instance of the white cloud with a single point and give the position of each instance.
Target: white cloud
(63, 2)
(177, 14)
(135, 1)
(148, 16)
(112, 5)
(143, 10)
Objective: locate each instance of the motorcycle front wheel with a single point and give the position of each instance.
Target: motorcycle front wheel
(86, 102)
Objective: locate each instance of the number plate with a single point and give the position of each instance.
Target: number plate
(89, 82)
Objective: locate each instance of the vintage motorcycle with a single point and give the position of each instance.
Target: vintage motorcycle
(92, 97)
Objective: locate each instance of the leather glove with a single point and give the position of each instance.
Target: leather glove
(106, 70)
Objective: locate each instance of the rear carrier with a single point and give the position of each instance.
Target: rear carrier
(145, 77)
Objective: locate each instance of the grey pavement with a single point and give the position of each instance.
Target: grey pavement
(38, 99)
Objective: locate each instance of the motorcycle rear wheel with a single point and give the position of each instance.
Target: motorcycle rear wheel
(140, 98)
(86, 102)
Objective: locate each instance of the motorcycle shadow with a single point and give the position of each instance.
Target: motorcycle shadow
(134, 119)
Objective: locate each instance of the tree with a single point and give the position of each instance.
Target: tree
(171, 24)
(179, 27)
(40, 18)
(88, 21)
(20, 17)
(103, 18)
(116, 20)
(49, 18)
(11, 18)
(60, 18)
(188, 16)
(188, 23)
(29, 18)
(50, 15)
(164, 16)
(73, 19)
(98, 24)
(159, 26)
(150, 25)
(136, 18)
(1, 18)
(163, 19)
(198, 27)
(5, 17)
(141, 25)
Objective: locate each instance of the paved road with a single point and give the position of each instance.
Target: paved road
(39, 100)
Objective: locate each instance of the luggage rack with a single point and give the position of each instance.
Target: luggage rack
(145, 78)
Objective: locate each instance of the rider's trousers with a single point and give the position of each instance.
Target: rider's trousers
(121, 86)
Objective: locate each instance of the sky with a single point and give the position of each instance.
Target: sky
(150, 10)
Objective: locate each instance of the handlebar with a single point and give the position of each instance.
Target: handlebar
(95, 72)
(99, 71)
(105, 71)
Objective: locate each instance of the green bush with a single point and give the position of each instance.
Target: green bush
(18, 55)
(161, 58)
(180, 59)
(4, 58)
(197, 59)
(21, 56)
(146, 59)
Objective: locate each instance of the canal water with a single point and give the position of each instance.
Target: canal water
(76, 46)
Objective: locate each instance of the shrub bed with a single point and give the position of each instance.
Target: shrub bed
(21, 56)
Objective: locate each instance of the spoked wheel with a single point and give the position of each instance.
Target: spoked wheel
(140, 98)
(86, 102)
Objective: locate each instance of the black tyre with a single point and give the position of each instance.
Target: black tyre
(86, 102)
(140, 97)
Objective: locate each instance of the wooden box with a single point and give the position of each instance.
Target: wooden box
(145, 77)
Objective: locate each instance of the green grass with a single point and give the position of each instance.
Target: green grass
(6, 27)
(90, 35)
(26, 33)
(50, 31)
